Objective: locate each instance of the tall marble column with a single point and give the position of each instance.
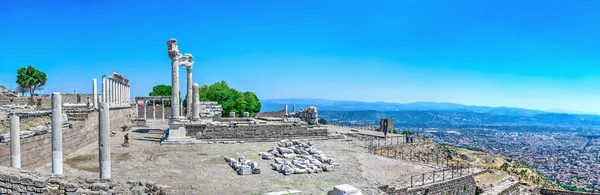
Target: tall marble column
(196, 102)
(111, 88)
(15, 141)
(104, 140)
(120, 98)
(189, 91)
(57, 154)
(174, 84)
(103, 88)
(95, 93)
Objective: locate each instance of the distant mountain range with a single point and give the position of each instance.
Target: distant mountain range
(339, 105)
(432, 113)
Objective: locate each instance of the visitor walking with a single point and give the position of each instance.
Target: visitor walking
(126, 140)
(89, 102)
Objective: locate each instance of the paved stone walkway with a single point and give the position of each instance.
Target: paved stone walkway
(200, 169)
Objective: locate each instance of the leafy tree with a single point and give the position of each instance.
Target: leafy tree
(407, 132)
(231, 100)
(322, 121)
(162, 90)
(31, 79)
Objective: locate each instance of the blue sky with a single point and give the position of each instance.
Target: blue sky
(530, 54)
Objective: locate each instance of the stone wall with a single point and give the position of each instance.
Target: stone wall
(150, 110)
(561, 192)
(511, 190)
(36, 151)
(15, 181)
(278, 114)
(252, 131)
(458, 186)
(47, 99)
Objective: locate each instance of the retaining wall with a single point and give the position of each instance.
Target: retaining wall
(252, 131)
(47, 100)
(279, 114)
(15, 181)
(511, 190)
(457, 186)
(561, 192)
(36, 151)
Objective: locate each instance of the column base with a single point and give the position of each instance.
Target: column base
(176, 134)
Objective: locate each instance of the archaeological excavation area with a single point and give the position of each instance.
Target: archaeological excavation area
(74, 143)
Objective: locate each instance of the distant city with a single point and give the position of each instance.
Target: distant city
(563, 147)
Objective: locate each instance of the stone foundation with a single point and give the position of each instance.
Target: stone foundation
(36, 151)
(15, 181)
(253, 131)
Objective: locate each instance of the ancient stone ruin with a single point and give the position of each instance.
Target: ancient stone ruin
(297, 157)
(243, 166)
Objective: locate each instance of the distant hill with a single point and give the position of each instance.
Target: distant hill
(431, 113)
(335, 105)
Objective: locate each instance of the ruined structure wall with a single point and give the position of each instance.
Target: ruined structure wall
(280, 113)
(150, 110)
(512, 190)
(15, 181)
(561, 192)
(36, 151)
(252, 131)
(458, 186)
(46, 100)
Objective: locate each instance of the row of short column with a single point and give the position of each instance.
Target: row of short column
(153, 109)
(57, 141)
(115, 93)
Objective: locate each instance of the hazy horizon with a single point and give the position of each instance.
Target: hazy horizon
(540, 55)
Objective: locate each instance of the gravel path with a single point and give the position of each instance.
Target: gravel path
(200, 169)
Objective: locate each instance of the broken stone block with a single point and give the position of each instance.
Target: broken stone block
(327, 168)
(287, 170)
(300, 171)
(244, 170)
(290, 156)
(283, 150)
(255, 170)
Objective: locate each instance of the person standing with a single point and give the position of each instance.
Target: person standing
(126, 140)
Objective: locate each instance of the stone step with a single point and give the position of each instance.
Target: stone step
(275, 139)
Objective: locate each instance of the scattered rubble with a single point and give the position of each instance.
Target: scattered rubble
(243, 166)
(296, 157)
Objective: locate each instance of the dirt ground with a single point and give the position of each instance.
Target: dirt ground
(200, 169)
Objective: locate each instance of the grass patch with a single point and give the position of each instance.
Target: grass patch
(84, 163)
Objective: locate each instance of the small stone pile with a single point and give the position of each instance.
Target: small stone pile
(243, 166)
(296, 157)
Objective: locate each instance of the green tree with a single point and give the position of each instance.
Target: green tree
(230, 99)
(31, 79)
(407, 132)
(162, 90)
(322, 121)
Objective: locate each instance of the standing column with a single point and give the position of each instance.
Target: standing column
(119, 94)
(137, 110)
(109, 89)
(196, 101)
(154, 110)
(189, 91)
(15, 142)
(174, 90)
(145, 105)
(104, 140)
(113, 91)
(57, 155)
(163, 108)
(127, 98)
(103, 88)
(95, 93)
